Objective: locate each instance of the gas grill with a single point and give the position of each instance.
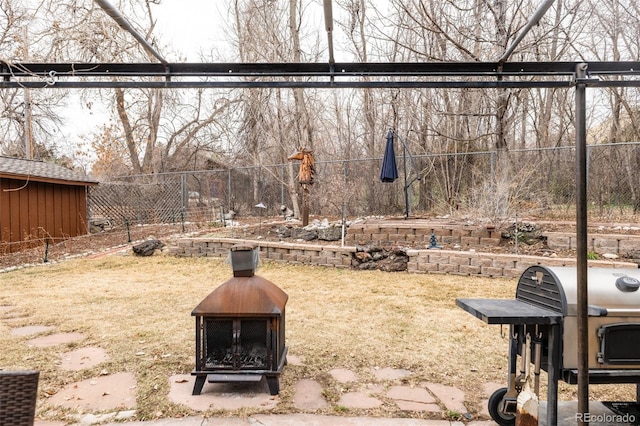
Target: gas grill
(543, 319)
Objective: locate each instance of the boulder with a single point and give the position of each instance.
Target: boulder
(303, 234)
(330, 233)
(147, 248)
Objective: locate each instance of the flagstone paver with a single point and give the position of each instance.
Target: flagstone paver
(228, 396)
(83, 358)
(294, 360)
(409, 398)
(408, 393)
(308, 395)
(358, 400)
(417, 406)
(115, 391)
(343, 375)
(55, 339)
(451, 397)
(30, 330)
(488, 390)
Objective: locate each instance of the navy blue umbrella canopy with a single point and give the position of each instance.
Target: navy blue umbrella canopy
(389, 170)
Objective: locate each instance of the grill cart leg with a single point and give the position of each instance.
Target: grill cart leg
(553, 374)
(502, 403)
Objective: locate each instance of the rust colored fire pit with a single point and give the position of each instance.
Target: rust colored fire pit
(240, 328)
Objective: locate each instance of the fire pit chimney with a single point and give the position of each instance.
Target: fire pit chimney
(244, 260)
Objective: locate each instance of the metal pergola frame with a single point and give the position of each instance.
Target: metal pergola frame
(318, 75)
(437, 75)
(443, 75)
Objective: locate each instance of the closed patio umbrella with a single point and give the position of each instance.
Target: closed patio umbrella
(389, 170)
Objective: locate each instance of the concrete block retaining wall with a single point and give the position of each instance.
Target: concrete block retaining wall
(411, 234)
(472, 236)
(311, 254)
(420, 261)
(598, 243)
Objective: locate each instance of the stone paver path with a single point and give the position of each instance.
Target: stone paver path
(110, 397)
(429, 397)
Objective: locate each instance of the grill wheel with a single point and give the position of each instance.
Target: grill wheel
(495, 406)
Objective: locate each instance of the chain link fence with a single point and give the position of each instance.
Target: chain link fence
(490, 185)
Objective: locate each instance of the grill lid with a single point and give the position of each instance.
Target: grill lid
(556, 288)
(244, 296)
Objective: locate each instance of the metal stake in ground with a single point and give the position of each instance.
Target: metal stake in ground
(305, 178)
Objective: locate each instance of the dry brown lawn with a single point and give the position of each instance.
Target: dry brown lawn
(139, 310)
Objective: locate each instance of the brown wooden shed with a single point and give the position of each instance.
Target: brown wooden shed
(40, 201)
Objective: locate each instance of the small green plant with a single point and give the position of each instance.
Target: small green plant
(453, 415)
(592, 255)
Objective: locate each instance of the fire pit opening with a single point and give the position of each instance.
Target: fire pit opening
(240, 328)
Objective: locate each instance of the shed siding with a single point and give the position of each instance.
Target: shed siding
(32, 211)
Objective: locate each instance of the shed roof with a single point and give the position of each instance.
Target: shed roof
(17, 168)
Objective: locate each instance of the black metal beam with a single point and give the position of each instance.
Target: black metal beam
(9, 69)
(284, 84)
(316, 75)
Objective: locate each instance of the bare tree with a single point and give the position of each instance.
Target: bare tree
(276, 122)
(28, 122)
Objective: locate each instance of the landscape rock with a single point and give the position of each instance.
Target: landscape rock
(330, 233)
(147, 248)
(304, 234)
(283, 231)
(526, 232)
(369, 257)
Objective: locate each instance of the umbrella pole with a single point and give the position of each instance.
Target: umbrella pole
(406, 193)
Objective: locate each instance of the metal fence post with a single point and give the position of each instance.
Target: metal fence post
(229, 189)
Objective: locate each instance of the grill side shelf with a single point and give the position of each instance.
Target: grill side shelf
(508, 311)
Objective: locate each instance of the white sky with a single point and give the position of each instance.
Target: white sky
(191, 26)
